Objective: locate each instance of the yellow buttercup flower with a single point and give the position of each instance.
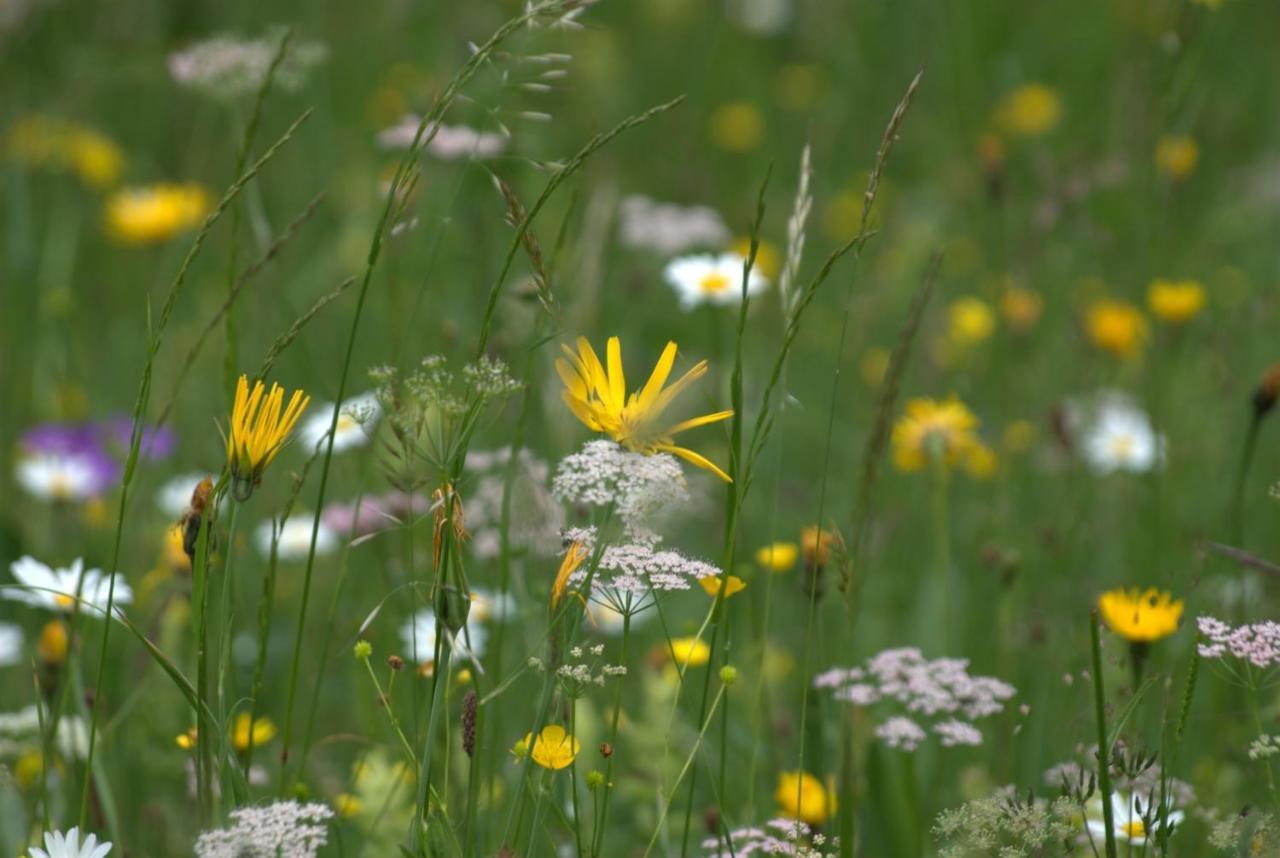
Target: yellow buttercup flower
(969, 321)
(348, 805)
(155, 213)
(249, 732)
(1029, 111)
(65, 146)
(258, 431)
(1177, 156)
(981, 462)
(778, 557)
(737, 126)
(929, 429)
(1140, 617)
(1175, 302)
(712, 585)
(186, 741)
(802, 796)
(598, 397)
(554, 748)
(689, 652)
(1117, 327)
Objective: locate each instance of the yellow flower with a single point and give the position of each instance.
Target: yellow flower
(712, 585)
(155, 213)
(1140, 617)
(1117, 327)
(690, 652)
(969, 321)
(598, 397)
(1021, 308)
(1177, 156)
(186, 741)
(573, 557)
(981, 462)
(768, 260)
(928, 429)
(778, 557)
(175, 553)
(554, 748)
(802, 796)
(28, 768)
(1175, 302)
(347, 805)
(737, 126)
(258, 431)
(51, 646)
(247, 731)
(1029, 111)
(61, 145)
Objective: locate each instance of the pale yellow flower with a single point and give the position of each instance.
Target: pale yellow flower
(1030, 110)
(1176, 156)
(712, 585)
(969, 321)
(1175, 302)
(737, 126)
(778, 557)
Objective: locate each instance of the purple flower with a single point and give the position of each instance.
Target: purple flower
(157, 441)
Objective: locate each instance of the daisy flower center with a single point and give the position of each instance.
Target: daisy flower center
(62, 600)
(346, 423)
(1135, 829)
(713, 283)
(1122, 446)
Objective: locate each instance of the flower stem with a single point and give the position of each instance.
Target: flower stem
(597, 836)
(1104, 752)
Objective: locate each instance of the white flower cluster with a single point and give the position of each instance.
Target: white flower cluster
(1256, 643)
(1264, 747)
(226, 67)
(789, 837)
(586, 671)
(668, 228)
(283, 829)
(939, 690)
(629, 577)
(535, 518)
(638, 487)
(450, 143)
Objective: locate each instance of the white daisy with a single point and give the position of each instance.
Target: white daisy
(1134, 819)
(295, 537)
(1120, 437)
(59, 845)
(60, 476)
(356, 421)
(174, 496)
(419, 635)
(55, 589)
(490, 606)
(710, 278)
(10, 644)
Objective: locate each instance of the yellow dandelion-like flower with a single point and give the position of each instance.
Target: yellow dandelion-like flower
(1117, 327)
(1175, 302)
(51, 646)
(689, 652)
(598, 397)
(247, 732)
(155, 213)
(1029, 111)
(816, 545)
(969, 321)
(768, 259)
(554, 749)
(1140, 616)
(930, 429)
(778, 557)
(802, 796)
(62, 145)
(258, 431)
(1176, 156)
(712, 585)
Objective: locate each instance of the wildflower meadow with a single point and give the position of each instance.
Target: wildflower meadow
(628, 428)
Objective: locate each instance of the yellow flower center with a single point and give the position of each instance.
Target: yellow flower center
(62, 600)
(60, 486)
(713, 283)
(1122, 446)
(346, 423)
(1135, 829)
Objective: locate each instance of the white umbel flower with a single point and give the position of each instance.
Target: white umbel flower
(356, 421)
(59, 845)
(55, 589)
(1120, 437)
(419, 636)
(711, 279)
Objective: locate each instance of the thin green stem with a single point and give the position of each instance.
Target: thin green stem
(1104, 752)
